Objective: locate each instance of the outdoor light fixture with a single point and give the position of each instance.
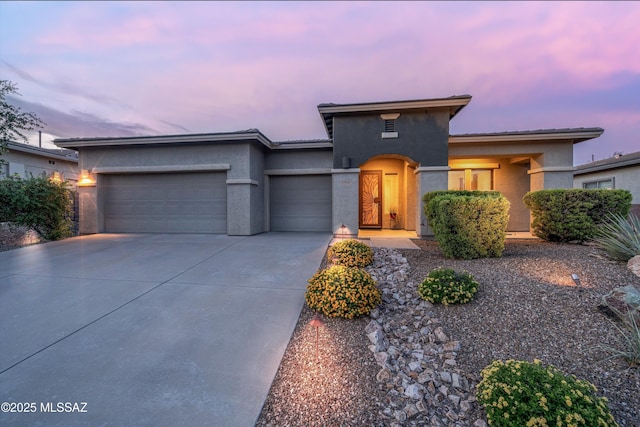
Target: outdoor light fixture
(316, 323)
(56, 177)
(86, 180)
(576, 279)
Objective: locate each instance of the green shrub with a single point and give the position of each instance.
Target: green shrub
(468, 226)
(350, 253)
(619, 236)
(563, 215)
(445, 286)
(427, 197)
(37, 203)
(517, 393)
(341, 291)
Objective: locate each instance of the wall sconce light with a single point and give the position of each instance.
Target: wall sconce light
(86, 180)
(56, 177)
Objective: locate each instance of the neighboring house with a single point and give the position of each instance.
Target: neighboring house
(27, 160)
(371, 172)
(621, 172)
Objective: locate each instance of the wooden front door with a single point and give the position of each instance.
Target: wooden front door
(370, 199)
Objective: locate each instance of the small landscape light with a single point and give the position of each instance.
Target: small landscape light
(576, 279)
(316, 323)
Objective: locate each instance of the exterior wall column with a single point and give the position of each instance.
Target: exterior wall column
(345, 195)
(429, 178)
(545, 178)
(239, 204)
(88, 209)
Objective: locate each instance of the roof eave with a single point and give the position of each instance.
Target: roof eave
(575, 136)
(454, 103)
(23, 148)
(75, 143)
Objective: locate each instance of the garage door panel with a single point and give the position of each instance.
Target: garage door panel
(166, 203)
(300, 203)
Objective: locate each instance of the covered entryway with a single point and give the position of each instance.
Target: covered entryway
(388, 198)
(300, 202)
(165, 203)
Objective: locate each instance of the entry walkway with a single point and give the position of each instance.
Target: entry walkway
(401, 239)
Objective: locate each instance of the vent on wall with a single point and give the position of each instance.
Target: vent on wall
(389, 125)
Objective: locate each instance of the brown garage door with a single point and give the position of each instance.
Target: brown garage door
(165, 203)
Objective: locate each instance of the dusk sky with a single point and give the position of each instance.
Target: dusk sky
(147, 68)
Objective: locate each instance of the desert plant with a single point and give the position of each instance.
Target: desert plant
(619, 236)
(340, 291)
(519, 393)
(629, 333)
(350, 253)
(445, 286)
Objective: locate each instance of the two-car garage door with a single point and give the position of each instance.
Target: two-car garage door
(197, 202)
(165, 203)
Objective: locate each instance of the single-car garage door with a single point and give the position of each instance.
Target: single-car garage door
(165, 203)
(300, 202)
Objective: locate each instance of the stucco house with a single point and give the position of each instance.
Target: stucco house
(371, 172)
(27, 160)
(620, 171)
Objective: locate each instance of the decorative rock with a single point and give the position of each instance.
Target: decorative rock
(452, 346)
(381, 358)
(455, 399)
(418, 360)
(383, 375)
(634, 265)
(480, 423)
(411, 410)
(400, 415)
(440, 335)
(413, 391)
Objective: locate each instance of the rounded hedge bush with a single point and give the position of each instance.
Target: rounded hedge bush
(341, 291)
(445, 286)
(517, 393)
(350, 253)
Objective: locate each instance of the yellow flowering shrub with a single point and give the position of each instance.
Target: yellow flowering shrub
(350, 253)
(445, 286)
(341, 291)
(517, 393)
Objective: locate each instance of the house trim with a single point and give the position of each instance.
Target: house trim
(164, 168)
(311, 171)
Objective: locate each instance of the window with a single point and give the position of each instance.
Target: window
(471, 179)
(607, 183)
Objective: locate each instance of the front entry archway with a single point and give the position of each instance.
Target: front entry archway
(388, 194)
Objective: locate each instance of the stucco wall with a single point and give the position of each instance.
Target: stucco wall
(513, 182)
(422, 137)
(242, 163)
(321, 158)
(27, 165)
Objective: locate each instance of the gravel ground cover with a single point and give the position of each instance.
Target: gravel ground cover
(527, 307)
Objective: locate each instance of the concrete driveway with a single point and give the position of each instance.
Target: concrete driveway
(149, 330)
